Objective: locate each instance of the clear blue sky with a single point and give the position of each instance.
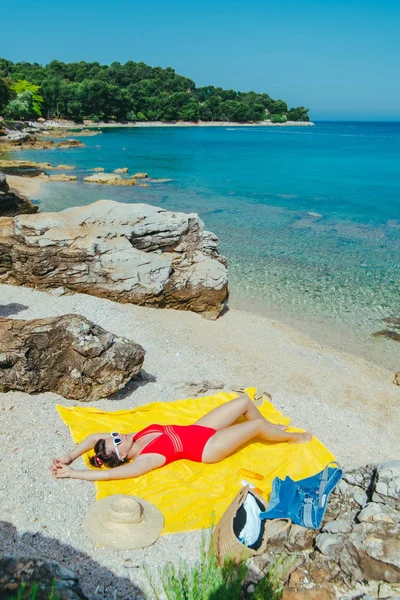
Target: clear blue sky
(340, 58)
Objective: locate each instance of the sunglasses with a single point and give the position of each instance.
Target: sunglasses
(116, 441)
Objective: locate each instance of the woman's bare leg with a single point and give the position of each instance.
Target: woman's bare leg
(228, 413)
(227, 440)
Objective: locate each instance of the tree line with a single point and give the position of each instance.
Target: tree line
(129, 92)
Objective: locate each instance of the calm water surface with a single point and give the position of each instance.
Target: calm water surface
(309, 218)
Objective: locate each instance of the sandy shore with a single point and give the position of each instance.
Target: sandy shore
(24, 186)
(88, 123)
(349, 403)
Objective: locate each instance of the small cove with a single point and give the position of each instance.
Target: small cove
(307, 217)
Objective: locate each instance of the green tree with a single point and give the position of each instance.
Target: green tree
(21, 107)
(22, 86)
(5, 95)
(298, 114)
(278, 107)
(190, 112)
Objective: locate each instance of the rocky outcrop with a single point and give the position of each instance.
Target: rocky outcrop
(108, 179)
(49, 579)
(357, 552)
(140, 176)
(121, 170)
(4, 187)
(68, 355)
(71, 144)
(126, 252)
(30, 168)
(11, 204)
(23, 141)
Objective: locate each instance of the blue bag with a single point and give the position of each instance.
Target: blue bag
(304, 501)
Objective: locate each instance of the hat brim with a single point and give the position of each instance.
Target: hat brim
(124, 536)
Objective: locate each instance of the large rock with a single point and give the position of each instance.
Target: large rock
(68, 355)
(126, 252)
(49, 579)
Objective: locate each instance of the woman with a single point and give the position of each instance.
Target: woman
(211, 439)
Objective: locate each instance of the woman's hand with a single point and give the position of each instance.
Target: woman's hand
(61, 471)
(63, 460)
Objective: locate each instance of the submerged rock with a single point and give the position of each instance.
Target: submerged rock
(68, 355)
(62, 177)
(126, 252)
(388, 333)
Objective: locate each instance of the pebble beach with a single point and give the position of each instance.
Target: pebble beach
(350, 404)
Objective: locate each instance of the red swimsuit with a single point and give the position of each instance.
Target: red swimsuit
(177, 441)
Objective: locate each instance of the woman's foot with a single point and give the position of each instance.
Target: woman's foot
(281, 426)
(301, 438)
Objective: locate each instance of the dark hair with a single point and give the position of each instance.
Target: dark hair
(101, 457)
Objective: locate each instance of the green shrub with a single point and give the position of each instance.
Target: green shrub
(208, 580)
(33, 592)
(278, 118)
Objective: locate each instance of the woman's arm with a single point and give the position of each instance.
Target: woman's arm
(142, 465)
(87, 444)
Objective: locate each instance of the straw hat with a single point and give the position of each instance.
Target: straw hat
(123, 522)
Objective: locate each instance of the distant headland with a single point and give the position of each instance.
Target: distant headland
(132, 93)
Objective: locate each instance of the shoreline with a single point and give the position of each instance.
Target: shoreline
(132, 124)
(337, 336)
(25, 186)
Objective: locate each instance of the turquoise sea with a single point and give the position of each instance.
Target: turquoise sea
(308, 217)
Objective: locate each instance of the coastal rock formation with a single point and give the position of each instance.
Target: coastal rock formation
(58, 177)
(23, 141)
(98, 169)
(140, 176)
(108, 179)
(126, 252)
(11, 204)
(122, 170)
(357, 552)
(68, 355)
(71, 144)
(51, 579)
(23, 168)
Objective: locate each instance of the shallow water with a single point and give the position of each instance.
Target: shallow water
(308, 218)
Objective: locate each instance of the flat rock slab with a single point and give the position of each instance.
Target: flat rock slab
(125, 252)
(68, 355)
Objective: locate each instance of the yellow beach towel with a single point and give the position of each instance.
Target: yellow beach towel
(194, 495)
